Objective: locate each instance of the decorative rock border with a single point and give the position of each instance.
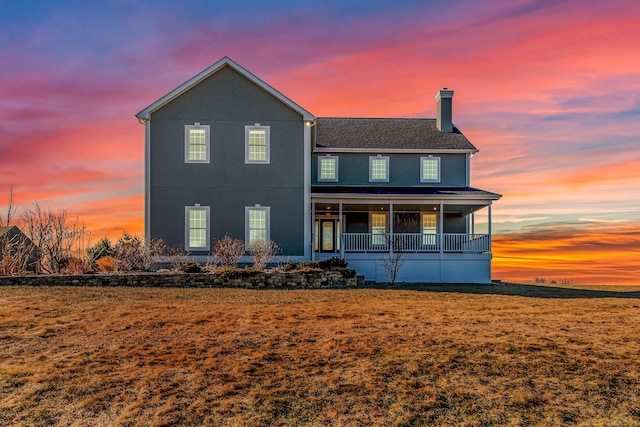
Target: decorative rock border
(259, 280)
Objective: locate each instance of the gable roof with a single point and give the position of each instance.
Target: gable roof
(366, 134)
(224, 62)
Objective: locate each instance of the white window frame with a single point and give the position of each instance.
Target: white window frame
(247, 229)
(378, 157)
(377, 238)
(207, 133)
(247, 131)
(422, 162)
(187, 227)
(320, 159)
(429, 239)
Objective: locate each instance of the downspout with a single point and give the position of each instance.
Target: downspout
(340, 225)
(308, 215)
(313, 231)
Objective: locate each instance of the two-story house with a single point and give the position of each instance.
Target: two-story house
(225, 153)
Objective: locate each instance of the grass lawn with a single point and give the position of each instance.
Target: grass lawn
(432, 356)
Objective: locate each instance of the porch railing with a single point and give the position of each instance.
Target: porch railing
(415, 242)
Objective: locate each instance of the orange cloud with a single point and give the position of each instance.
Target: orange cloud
(587, 253)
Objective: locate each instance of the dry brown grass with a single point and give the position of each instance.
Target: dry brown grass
(221, 357)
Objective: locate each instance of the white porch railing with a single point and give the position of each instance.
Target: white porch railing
(415, 242)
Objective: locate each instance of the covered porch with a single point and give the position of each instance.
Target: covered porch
(347, 227)
(439, 239)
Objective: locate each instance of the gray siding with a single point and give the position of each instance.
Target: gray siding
(227, 102)
(404, 170)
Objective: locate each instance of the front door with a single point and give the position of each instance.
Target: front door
(327, 235)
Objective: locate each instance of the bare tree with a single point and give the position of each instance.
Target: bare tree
(11, 210)
(392, 261)
(391, 264)
(58, 237)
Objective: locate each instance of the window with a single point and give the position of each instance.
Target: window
(197, 227)
(256, 144)
(429, 229)
(378, 228)
(257, 225)
(379, 169)
(328, 168)
(429, 169)
(196, 143)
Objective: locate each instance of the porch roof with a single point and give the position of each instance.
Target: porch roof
(427, 192)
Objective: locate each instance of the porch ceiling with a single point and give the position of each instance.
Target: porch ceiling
(332, 207)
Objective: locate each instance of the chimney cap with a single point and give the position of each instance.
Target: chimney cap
(444, 93)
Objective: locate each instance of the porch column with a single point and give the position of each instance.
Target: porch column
(391, 228)
(473, 224)
(441, 227)
(313, 231)
(340, 226)
(489, 227)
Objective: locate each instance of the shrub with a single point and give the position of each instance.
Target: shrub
(191, 267)
(333, 262)
(308, 264)
(106, 264)
(177, 257)
(310, 270)
(262, 252)
(228, 250)
(101, 249)
(348, 273)
(290, 266)
(129, 253)
(152, 250)
(230, 273)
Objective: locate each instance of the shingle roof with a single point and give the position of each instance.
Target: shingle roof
(415, 134)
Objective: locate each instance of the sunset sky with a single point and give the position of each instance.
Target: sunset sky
(549, 91)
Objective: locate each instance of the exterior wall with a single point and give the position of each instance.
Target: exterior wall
(227, 102)
(404, 170)
(425, 268)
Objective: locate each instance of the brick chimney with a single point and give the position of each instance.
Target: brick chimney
(444, 99)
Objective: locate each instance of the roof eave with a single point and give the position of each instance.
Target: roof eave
(145, 114)
(397, 150)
